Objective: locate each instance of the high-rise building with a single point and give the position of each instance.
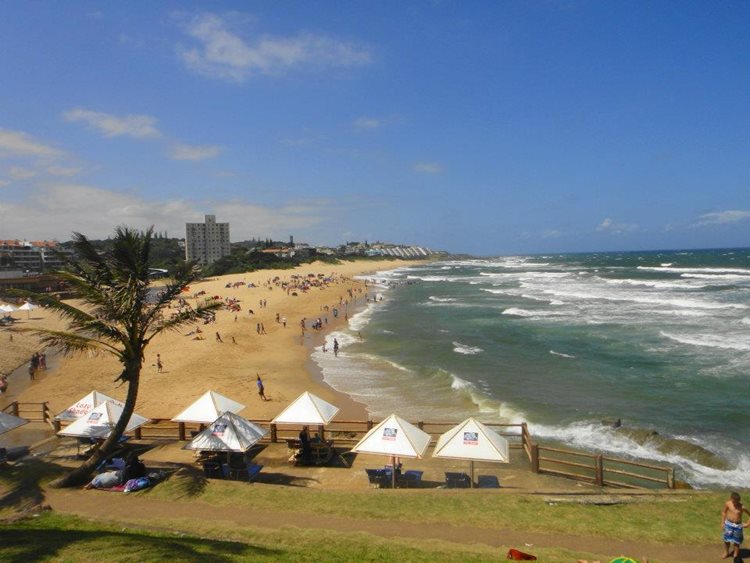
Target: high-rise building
(207, 242)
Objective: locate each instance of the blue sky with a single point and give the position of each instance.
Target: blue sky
(481, 127)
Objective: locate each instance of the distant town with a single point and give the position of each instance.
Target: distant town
(207, 244)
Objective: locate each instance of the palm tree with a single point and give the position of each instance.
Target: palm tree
(120, 316)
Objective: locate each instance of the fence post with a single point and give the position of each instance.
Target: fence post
(138, 434)
(670, 478)
(181, 430)
(599, 471)
(534, 458)
(14, 410)
(420, 425)
(273, 433)
(56, 425)
(369, 425)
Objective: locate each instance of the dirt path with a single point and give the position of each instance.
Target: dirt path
(120, 508)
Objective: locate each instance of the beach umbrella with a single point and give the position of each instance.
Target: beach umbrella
(28, 307)
(9, 422)
(85, 405)
(473, 441)
(207, 408)
(100, 422)
(228, 433)
(307, 409)
(394, 437)
(8, 309)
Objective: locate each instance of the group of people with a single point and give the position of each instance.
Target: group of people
(133, 468)
(38, 361)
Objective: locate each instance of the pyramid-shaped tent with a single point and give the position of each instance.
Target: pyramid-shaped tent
(473, 441)
(395, 437)
(85, 405)
(307, 409)
(100, 422)
(228, 433)
(208, 408)
(9, 422)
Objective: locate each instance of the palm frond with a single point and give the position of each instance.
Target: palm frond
(70, 343)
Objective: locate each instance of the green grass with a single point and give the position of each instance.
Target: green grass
(51, 537)
(688, 518)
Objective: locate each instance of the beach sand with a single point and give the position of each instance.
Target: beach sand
(192, 367)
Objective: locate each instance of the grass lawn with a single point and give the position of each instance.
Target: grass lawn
(52, 537)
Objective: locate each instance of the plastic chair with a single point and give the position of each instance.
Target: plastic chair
(457, 480)
(412, 478)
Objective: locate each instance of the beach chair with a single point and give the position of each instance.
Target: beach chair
(213, 470)
(411, 478)
(488, 482)
(457, 480)
(378, 477)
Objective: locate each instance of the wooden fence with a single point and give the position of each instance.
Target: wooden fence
(595, 469)
(33, 412)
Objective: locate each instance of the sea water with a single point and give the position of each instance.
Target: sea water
(660, 340)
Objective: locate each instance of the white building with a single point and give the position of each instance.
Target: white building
(207, 242)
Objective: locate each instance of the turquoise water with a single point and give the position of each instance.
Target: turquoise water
(660, 340)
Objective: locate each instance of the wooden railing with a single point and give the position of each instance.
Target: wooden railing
(598, 469)
(33, 412)
(595, 469)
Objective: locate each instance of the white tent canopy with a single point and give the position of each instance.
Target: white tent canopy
(228, 433)
(8, 422)
(473, 441)
(208, 408)
(7, 308)
(307, 409)
(28, 306)
(394, 437)
(100, 422)
(85, 405)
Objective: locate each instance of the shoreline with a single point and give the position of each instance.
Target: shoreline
(191, 367)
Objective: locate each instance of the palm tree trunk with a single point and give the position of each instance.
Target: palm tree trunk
(82, 474)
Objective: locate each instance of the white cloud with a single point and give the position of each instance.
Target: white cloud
(722, 217)
(428, 168)
(21, 173)
(368, 123)
(194, 152)
(18, 143)
(63, 171)
(136, 126)
(4, 183)
(55, 211)
(222, 53)
(551, 233)
(609, 226)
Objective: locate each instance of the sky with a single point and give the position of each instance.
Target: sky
(497, 127)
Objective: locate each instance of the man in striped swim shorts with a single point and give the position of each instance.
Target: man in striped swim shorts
(731, 525)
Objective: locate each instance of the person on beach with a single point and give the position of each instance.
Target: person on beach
(261, 388)
(159, 365)
(304, 440)
(3, 383)
(218, 337)
(732, 526)
(335, 347)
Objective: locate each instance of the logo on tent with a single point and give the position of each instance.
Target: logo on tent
(218, 429)
(94, 416)
(471, 438)
(390, 433)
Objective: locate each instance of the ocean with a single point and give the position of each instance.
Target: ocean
(660, 340)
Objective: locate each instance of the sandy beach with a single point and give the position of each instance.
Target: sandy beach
(191, 366)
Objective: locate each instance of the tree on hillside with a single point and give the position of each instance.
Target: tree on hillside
(120, 316)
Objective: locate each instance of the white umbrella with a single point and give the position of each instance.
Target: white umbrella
(28, 307)
(228, 433)
(307, 409)
(7, 308)
(208, 408)
(473, 441)
(85, 405)
(394, 437)
(9, 422)
(100, 422)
